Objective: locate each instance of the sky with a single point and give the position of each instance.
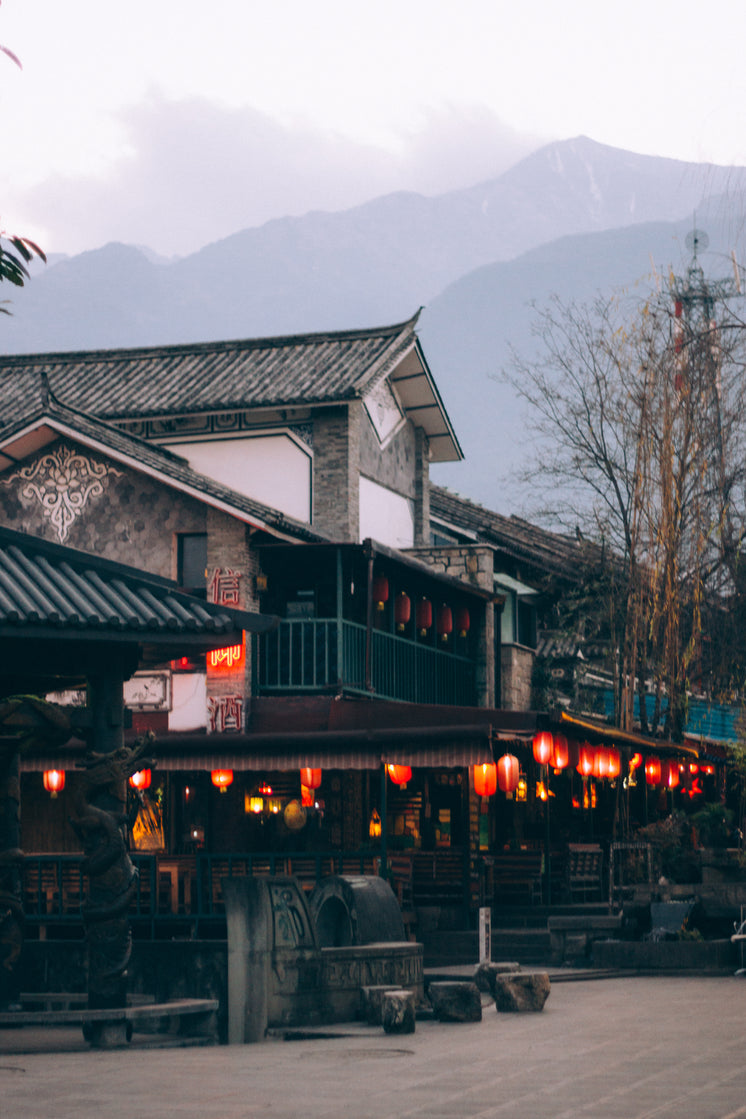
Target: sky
(173, 123)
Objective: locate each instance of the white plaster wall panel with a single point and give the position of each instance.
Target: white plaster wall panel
(385, 516)
(188, 701)
(273, 469)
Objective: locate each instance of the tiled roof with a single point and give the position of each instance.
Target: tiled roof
(534, 547)
(212, 376)
(45, 586)
(40, 407)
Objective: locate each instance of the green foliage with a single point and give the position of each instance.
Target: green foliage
(714, 824)
(15, 253)
(672, 842)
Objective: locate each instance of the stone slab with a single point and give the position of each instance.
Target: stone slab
(455, 1001)
(515, 993)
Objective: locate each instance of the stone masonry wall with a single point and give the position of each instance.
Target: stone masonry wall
(517, 667)
(336, 477)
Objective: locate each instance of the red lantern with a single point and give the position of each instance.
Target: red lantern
(463, 621)
(54, 780)
(543, 745)
(601, 763)
(402, 611)
(653, 771)
(380, 591)
(670, 774)
(141, 779)
(222, 778)
(445, 622)
(560, 755)
(311, 778)
(424, 616)
(586, 756)
(399, 774)
(615, 764)
(508, 773)
(485, 779)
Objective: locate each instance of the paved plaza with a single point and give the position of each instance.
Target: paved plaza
(632, 1048)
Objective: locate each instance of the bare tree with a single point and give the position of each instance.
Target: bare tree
(640, 409)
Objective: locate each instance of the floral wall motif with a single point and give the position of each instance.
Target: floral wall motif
(62, 481)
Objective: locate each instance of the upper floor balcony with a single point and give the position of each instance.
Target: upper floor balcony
(363, 619)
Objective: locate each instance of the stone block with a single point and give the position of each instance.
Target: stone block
(486, 972)
(454, 1001)
(522, 992)
(371, 1002)
(398, 1012)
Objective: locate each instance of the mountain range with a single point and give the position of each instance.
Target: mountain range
(574, 218)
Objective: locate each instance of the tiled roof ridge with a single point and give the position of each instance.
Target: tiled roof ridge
(222, 346)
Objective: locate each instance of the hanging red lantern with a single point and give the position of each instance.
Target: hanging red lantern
(615, 764)
(54, 780)
(601, 763)
(670, 774)
(424, 616)
(463, 621)
(586, 755)
(445, 622)
(222, 778)
(380, 591)
(399, 774)
(402, 611)
(485, 779)
(141, 779)
(653, 771)
(508, 773)
(311, 778)
(307, 798)
(543, 745)
(559, 757)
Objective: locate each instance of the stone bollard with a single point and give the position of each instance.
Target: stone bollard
(486, 973)
(398, 1012)
(454, 1001)
(522, 992)
(371, 1002)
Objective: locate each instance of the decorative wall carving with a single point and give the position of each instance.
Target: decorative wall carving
(62, 481)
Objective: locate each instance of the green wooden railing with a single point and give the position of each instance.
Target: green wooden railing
(308, 655)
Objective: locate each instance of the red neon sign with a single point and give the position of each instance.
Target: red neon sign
(228, 659)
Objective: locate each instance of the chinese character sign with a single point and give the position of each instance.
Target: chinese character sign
(232, 657)
(224, 714)
(225, 587)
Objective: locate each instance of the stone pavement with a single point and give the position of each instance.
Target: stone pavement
(632, 1048)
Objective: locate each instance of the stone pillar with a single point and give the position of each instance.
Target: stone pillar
(232, 567)
(249, 920)
(336, 471)
(421, 490)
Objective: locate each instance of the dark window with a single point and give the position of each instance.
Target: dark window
(192, 563)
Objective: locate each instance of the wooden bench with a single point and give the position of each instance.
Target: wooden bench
(191, 1017)
(514, 875)
(584, 869)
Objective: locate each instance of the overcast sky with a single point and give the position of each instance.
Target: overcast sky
(172, 123)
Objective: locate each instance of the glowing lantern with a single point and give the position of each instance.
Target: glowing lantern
(586, 758)
(543, 745)
(670, 774)
(615, 764)
(307, 798)
(601, 762)
(424, 616)
(445, 622)
(374, 827)
(141, 779)
(399, 774)
(222, 778)
(559, 757)
(380, 591)
(485, 779)
(253, 804)
(521, 789)
(653, 771)
(508, 773)
(402, 611)
(311, 778)
(541, 790)
(463, 621)
(54, 781)
(708, 770)
(635, 762)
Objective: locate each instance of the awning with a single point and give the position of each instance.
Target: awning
(640, 743)
(421, 747)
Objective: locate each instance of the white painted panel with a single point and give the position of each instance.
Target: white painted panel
(272, 469)
(188, 701)
(385, 516)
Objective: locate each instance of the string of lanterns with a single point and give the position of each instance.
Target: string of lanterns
(446, 620)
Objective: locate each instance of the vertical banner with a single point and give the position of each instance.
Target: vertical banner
(485, 935)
